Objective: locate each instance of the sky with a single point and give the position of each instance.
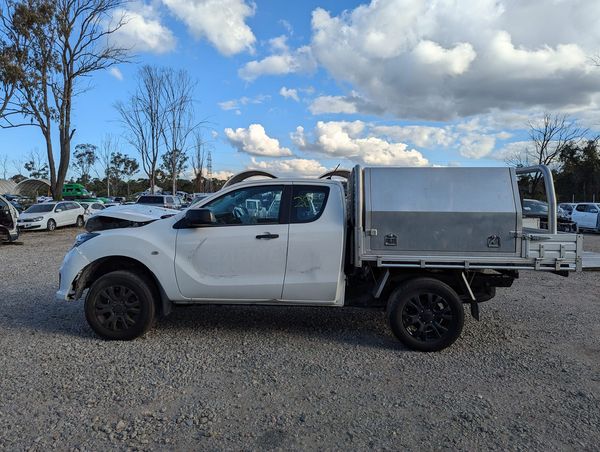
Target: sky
(298, 88)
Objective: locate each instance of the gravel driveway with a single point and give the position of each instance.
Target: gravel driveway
(527, 376)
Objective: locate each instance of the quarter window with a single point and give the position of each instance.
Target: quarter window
(251, 205)
(308, 203)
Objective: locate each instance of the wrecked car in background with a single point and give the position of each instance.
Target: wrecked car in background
(9, 231)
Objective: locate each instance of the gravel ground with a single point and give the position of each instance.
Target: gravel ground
(527, 376)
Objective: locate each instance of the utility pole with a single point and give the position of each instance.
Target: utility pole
(209, 176)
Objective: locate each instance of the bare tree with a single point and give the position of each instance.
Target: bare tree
(144, 119)
(4, 165)
(549, 137)
(59, 43)
(198, 161)
(108, 148)
(178, 90)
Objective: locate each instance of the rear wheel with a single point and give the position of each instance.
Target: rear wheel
(120, 306)
(51, 225)
(80, 222)
(425, 314)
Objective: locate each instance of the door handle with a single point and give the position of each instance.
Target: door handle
(267, 236)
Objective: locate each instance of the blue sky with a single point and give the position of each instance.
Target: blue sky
(300, 87)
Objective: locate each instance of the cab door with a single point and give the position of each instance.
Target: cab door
(240, 258)
(314, 271)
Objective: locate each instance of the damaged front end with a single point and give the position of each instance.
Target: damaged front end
(127, 216)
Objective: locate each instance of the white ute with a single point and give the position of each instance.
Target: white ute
(417, 242)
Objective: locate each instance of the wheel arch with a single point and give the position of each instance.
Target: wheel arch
(100, 267)
(450, 278)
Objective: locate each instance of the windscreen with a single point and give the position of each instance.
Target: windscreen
(150, 200)
(40, 208)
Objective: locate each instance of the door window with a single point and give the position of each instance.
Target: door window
(308, 203)
(581, 208)
(61, 206)
(250, 205)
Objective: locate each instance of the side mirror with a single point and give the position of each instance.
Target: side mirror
(527, 209)
(196, 218)
(58, 210)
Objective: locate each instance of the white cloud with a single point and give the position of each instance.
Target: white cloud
(255, 141)
(422, 136)
(290, 167)
(453, 61)
(443, 59)
(476, 146)
(222, 175)
(221, 22)
(289, 93)
(143, 30)
(236, 104)
(282, 61)
(349, 140)
(116, 73)
(332, 104)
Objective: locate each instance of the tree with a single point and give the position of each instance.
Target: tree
(177, 157)
(123, 166)
(579, 175)
(85, 158)
(549, 137)
(9, 75)
(198, 161)
(58, 43)
(143, 117)
(4, 165)
(177, 95)
(107, 149)
(36, 166)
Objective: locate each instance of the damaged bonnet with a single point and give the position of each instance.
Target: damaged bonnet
(127, 216)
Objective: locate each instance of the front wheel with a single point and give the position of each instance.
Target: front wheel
(51, 225)
(80, 222)
(120, 306)
(425, 314)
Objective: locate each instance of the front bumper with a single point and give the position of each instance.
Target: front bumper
(30, 225)
(73, 263)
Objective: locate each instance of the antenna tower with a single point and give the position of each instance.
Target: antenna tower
(209, 175)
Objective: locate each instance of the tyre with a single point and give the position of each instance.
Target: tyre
(80, 222)
(51, 225)
(120, 306)
(425, 314)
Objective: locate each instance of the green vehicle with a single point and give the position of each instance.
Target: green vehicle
(76, 192)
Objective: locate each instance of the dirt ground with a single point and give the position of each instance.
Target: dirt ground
(527, 376)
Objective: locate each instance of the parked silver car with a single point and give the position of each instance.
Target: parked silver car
(166, 201)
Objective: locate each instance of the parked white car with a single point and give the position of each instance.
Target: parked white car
(92, 208)
(585, 214)
(50, 215)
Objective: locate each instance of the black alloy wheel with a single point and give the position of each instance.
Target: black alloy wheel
(426, 314)
(120, 306)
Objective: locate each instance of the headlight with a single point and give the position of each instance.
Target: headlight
(82, 238)
(37, 219)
